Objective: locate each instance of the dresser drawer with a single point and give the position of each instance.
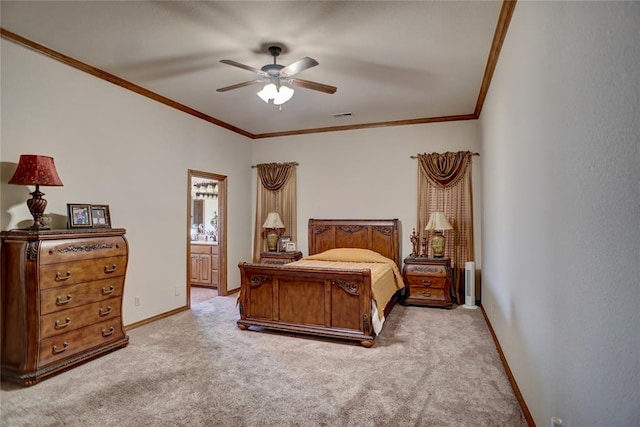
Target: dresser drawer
(53, 275)
(65, 297)
(427, 293)
(66, 250)
(73, 342)
(79, 317)
(424, 281)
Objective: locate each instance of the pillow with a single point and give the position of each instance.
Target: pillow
(349, 255)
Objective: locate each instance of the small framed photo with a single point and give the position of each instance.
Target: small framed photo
(79, 216)
(100, 216)
(290, 246)
(282, 243)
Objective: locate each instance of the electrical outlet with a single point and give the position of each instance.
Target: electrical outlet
(136, 301)
(176, 292)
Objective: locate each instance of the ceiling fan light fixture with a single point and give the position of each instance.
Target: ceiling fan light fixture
(269, 91)
(284, 94)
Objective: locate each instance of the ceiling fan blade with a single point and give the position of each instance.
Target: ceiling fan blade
(239, 85)
(300, 65)
(313, 85)
(244, 67)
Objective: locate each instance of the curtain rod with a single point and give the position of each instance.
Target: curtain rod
(473, 154)
(290, 163)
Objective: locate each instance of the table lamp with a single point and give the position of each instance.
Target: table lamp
(272, 224)
(36, 170)
(438, 222)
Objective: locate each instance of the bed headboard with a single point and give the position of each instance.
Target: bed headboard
(379, 235)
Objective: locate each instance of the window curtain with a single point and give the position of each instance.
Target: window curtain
(276, 192)
(444, 185)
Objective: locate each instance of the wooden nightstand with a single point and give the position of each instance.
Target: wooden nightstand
(428, 281)
(279, 257)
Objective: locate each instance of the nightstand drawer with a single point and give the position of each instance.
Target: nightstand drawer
(419, 281)
(430, 294)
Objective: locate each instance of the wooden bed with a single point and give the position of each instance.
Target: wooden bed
(333, 303)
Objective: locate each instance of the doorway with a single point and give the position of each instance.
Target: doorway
(206, 236)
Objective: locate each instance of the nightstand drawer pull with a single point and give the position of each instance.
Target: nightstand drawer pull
(104, 312)
(108, 270)
(55, 349)
(106, 291)
(59, 276)
(425, 294)
(426, 283)
(63, 325)
(60, 301)
(106, 333)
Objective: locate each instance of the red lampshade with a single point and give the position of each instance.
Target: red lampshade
(34, 169)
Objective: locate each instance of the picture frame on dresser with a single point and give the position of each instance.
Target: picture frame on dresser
(290, 247)
(282, 243)
(79, 215)
(100, 216)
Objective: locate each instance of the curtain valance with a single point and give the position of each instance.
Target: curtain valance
(444, 169)
(275, 175)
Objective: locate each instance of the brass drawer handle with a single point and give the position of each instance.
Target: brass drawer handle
(60, 301)
(426, 283)
(55, 349)
(104, 312)
(106, 333)
(59, 276)
(106, 291)
(108, 270)
(425, 294)
(63, 325)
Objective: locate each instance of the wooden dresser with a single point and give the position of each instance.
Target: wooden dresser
(204, 264)
(428, 281)
(61, 299)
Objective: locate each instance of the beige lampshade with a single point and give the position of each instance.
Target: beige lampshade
(437, 221)
(273, 221)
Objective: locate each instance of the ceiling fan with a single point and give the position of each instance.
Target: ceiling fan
(277, 77)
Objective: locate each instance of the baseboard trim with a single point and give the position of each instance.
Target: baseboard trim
(512, 380)
(134, 325)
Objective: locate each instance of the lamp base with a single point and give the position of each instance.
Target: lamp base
(272, 240)
(437, 244)
(36, 206)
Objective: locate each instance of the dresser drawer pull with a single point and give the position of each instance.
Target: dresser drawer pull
(55, 349)
(106, 291)
(426, 283)
(63, 325)
(106, 333)
(60, 301)
(105, 312)
(108, 270)
(59, 276)
(425, 294)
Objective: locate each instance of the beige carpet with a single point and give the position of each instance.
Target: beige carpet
(429, 367)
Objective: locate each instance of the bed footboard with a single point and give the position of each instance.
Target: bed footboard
(330, 303)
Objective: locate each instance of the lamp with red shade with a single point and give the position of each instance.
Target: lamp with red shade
(36, 170)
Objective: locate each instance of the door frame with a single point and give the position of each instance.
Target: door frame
(222, 230)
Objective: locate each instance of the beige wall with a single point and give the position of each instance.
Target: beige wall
(367, 173)
(114, 147)
(561, 228)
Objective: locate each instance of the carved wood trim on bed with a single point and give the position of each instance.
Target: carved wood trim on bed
(379, 235)
(333, 303)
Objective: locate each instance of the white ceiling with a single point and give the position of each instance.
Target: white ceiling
(390, 60)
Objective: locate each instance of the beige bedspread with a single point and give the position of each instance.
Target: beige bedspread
(386, 278)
